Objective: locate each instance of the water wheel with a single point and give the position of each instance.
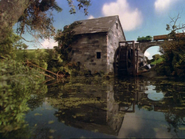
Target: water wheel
(123, 64)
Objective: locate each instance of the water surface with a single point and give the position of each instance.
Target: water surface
(86, 108)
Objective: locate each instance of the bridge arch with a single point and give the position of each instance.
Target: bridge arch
(149, 48)
(145, 45)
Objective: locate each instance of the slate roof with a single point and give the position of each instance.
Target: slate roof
(95, 25)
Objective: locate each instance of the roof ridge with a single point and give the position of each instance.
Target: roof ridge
(98, 18)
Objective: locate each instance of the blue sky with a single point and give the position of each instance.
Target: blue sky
(138, 17)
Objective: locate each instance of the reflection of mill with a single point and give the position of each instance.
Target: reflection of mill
(104, 112)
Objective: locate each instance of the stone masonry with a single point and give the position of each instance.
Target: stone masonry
(97, 41)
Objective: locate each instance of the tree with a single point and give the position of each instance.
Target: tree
(156, 56)
(32, 16)
(65, 39)
(8, 44)
(178, 39)
(174, 50)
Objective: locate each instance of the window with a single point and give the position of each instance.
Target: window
(98, 55)
(116, 25)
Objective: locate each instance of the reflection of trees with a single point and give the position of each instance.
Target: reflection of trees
(175, 120)
(42, 132)
(17, 83)
(102, 107)
(173, 104)
(131, 92)
(175, 112)
(12, 123)
(37, 98)
(21, 133)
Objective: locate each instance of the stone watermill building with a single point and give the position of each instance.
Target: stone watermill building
(97, 42)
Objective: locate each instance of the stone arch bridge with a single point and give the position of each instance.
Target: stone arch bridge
(143, 46)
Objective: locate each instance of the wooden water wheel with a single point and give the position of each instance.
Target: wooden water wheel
(124, 60)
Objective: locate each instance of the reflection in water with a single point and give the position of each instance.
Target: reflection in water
(153, 95)
(83, 106)
(115, 108)
(125, 108)
(13, 108)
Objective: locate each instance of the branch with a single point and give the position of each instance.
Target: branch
(175, 19)
(25, 39)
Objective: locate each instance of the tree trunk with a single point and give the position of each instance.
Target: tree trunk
(10, 12)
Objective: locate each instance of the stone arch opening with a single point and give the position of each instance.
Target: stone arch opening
(151, 50)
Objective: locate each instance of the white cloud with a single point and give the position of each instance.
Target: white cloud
(163, 5)
(90, 17)
(49, 43)
(130, 18)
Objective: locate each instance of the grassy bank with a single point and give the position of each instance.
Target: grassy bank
(157, 61)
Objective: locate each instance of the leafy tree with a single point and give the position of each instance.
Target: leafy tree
(174, 50)
(32, 16)
(8, 44)
(144, 39)
(156, 56)
(17, 83)
(65, 39)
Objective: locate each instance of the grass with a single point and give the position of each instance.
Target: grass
(157, 61)
(30, 53)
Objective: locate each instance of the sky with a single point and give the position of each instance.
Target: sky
(138, 17)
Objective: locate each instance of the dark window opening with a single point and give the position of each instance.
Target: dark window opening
(98, 55)
(116, 25)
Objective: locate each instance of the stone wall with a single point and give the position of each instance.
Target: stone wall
(91, 51)
(96, 51)
(145, 45)
(114, 36)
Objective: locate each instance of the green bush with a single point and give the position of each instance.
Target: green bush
(17, 83)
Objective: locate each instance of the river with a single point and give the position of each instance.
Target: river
(114, 108)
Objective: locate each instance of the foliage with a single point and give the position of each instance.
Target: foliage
(36, 17)
(41, 58)
(144, 39)
(54, 61)
(81, 4)
(65, 39)
(36, 56)
(173, 52)
(33, 16)
(9, 44)
(157, 61)
(172, 26)
(156, 56)
(173, 64)
(17, 83)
